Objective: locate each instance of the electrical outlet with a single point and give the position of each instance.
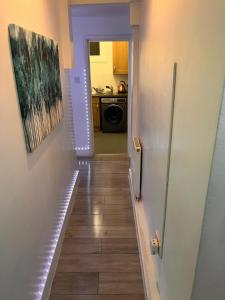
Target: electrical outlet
(155, 245)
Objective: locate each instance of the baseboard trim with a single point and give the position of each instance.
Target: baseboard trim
(52, 271)
(147, 264)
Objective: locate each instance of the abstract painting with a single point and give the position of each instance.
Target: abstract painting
(37, 75)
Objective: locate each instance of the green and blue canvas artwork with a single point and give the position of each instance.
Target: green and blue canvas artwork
(37, 74)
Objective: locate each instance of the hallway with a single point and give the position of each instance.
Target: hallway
(99, 258)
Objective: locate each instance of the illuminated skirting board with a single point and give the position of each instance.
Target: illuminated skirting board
(82, 148)
(51, 248)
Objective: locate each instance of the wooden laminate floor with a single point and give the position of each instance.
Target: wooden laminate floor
(99, 258)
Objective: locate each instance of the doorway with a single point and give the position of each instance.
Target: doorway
(108, 73)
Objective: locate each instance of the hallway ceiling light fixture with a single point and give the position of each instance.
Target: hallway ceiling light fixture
(51, 247)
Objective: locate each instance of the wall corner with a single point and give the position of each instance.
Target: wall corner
(66, 43)
(134, 12)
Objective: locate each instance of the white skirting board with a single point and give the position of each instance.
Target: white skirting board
(149, 278)
(52, 271)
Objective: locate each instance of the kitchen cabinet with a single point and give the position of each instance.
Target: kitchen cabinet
(96, 112)
(120, 58)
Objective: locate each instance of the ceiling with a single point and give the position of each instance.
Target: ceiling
(121, 9)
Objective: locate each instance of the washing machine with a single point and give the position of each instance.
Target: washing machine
(114, 114)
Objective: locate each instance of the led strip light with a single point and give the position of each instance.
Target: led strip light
(51, 248)
(87, 114)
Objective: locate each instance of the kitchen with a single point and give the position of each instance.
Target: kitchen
(109, 78)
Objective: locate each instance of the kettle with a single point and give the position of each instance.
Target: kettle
(122, 87)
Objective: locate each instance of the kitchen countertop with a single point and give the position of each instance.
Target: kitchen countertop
(114, 95)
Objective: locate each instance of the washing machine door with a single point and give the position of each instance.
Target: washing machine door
(113, 114)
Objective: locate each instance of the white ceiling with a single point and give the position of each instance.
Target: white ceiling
(121, 9)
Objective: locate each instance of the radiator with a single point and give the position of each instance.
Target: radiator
(136, 167)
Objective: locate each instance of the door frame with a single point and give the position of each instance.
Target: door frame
(89, 112)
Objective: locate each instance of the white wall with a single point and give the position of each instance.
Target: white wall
(31, 185)
(191, 34)
(210, 272)
(85, 28)
(101, 68)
